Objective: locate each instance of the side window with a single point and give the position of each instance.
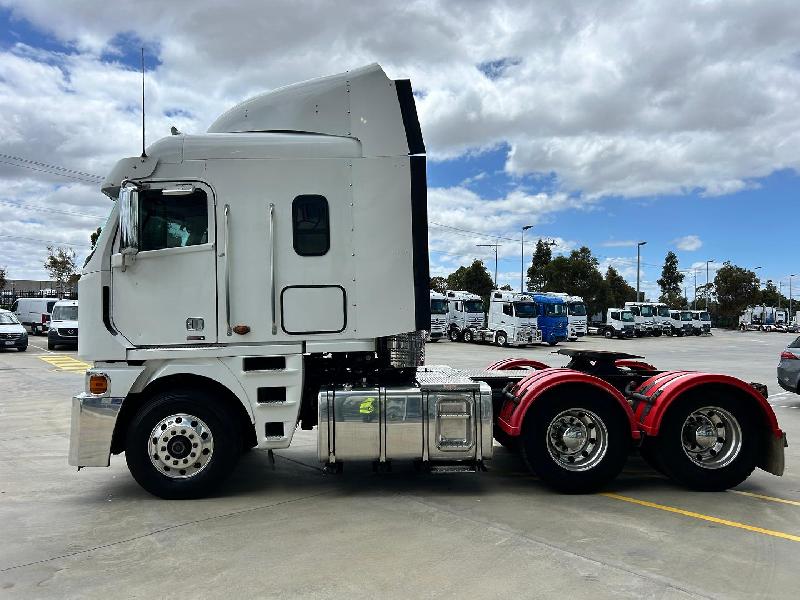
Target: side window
(507, 309)
(615, 316)
(15, 306)
(458, 306)
(172, 221)
(311, 225)
(50, 306)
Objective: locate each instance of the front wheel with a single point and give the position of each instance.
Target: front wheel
(50, 345)
(575, 446)
(657, 333)
(608, 333)
(467, 335)
(553, 343)
(708, 443)
(182, 444)
(453, 335)
(501, 339)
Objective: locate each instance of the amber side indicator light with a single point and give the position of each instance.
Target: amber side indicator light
(98, 384)
(789, 355)
(241, 329)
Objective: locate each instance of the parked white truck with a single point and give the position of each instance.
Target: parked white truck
(439, 316)
(464, 313)
(273, 274)
(643, 315)
(511, 321)
(661, 318)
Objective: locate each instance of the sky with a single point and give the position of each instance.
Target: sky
(599, 123)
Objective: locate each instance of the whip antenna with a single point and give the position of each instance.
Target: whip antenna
(144, 154)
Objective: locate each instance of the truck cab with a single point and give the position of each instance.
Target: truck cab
(619, 323)
(513, 318)
(576, 313)
(661, 319)
(553, 320)
(643, 315)
(439, 314)
(681, 322)
(697, 323)
(705, 319)
(465, 311)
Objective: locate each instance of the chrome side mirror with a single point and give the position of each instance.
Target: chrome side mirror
(129, 219)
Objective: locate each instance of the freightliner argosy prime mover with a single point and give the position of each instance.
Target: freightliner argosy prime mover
(273, 274)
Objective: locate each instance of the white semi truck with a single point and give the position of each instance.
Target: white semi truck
(576, 312)
(439, 316)
(643, 314)
(511, 321)
(272, 274)
(464, 314)
(661, 318)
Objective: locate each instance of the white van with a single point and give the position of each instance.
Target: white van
(34, 313)
(63, 325)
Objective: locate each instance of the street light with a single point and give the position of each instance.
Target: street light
(638, 256)
(790, 296)
(522, 258)
(707, 288)
(495, 246)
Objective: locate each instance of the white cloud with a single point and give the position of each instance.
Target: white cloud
(688, 243)
(619, 244)
(611, 98)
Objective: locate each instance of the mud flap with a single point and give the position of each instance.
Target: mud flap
(772, 460)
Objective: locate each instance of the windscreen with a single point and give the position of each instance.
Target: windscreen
(663, 311)
(473, 306)
(577, 309)
(65, 313)
(626, 316)
(554, 310)
(525, 310)
(686, 316)
(438, 307)
(647, 311)
(704, 316)
(50, 306)
(8, 319)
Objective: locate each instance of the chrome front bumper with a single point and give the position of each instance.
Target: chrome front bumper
(93, 420)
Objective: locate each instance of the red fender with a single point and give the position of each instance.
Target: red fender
(508, 364)
(663, 389)
(637, 365)
(528, 389)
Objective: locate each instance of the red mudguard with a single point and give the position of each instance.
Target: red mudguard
(508, 364)
(527, 390)
(637, 365)
(663, 389)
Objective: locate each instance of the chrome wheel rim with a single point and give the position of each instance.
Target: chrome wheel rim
(577, 439)
(711, 437)
(180, 446)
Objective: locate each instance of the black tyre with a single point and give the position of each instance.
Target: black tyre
(467, 335)
(553, 343)
(453, 335)
(501, 339)
(575, 445)
(608, 332)
(182, 444)
(433, 340)
(22, 348)
(708, 442)
(505, 440)
(50, 345)
(657, 333)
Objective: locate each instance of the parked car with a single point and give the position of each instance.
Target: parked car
(63, 325)
(789, 367)
(34, 313)
(12, 333)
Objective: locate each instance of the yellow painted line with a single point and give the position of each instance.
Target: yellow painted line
(770, 498)
(66, 363)
(702, 517)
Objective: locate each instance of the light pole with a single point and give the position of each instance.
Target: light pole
(694, 302)
(708, 290)
(495, 246)
(638, 256)
(522, 259)
(790, 295)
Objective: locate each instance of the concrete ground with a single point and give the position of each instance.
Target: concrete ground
(294, 532)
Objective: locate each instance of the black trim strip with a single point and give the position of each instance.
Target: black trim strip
(408, 110)
(107, 310)
(344, 309)
(419, 237)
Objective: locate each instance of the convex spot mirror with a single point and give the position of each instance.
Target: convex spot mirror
(129, 219)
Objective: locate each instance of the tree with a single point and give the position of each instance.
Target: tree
(770, 296)
(577, 275)
(619, 290)
(2, 278)
(60, 264)
(474, 278)
(94, 235)
(439, 284)
(506, 288)
(670, 282)
(536, 272)
(737, 288)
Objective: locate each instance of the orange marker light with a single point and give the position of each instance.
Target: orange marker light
(98, 384)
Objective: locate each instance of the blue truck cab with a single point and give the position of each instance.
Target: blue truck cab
(553, 320)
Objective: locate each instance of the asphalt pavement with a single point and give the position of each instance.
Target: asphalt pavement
(293, 532)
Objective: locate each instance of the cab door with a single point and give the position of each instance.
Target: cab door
(165, 294)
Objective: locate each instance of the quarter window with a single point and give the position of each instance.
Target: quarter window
(172, 221)
(311, 225)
